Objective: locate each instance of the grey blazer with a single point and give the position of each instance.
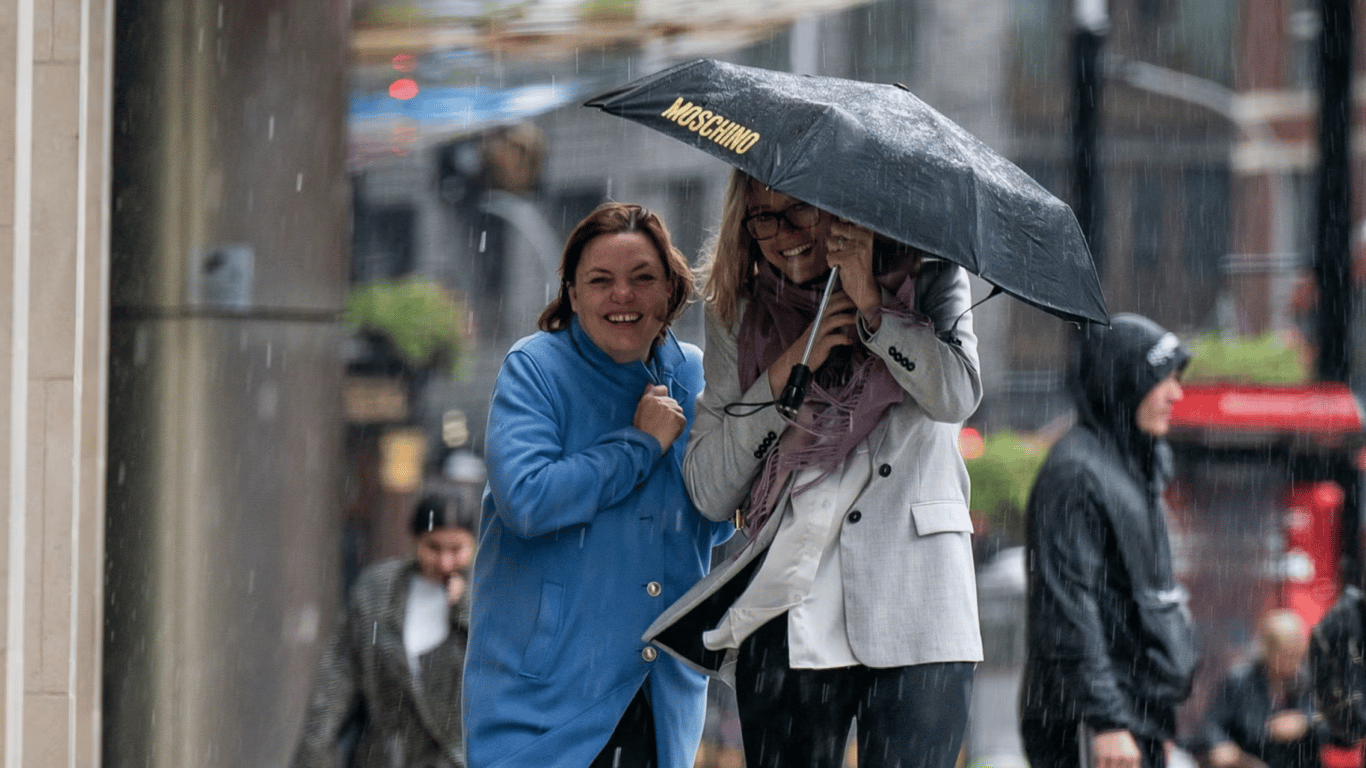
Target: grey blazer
(364, 670)
(905, 545)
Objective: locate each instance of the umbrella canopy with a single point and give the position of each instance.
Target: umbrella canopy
(881, 158)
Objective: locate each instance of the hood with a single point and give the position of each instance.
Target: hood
(1117, 366)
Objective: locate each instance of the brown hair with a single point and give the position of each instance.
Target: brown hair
(611, 219)
(734, 257)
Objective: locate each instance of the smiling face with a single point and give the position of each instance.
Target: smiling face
(621, 295)
(798, 253)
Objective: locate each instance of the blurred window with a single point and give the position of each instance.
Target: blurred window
(382, 243)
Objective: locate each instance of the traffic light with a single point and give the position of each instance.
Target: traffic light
(403, 88)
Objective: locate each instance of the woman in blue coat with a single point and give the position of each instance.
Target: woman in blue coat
(587, 532)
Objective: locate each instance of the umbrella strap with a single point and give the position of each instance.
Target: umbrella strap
(745, 410)
(951, 335)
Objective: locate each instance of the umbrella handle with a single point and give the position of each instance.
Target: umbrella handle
(794, 393)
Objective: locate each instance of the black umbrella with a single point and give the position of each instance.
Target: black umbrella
(882, 158)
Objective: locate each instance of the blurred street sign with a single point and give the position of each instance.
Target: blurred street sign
(374, 400)
(1227, 413)
(382, 125)
(402, 452)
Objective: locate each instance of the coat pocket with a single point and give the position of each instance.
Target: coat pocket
(941, 517)
(1171, 653)
(545, 635)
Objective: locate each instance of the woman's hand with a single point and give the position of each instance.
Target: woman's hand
(660, 416)
(850, 247)
(836, 330)
(455, 588)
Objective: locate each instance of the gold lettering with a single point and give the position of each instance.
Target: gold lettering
(678, 108)
(722, 134)
(737, 138)
(719, 129)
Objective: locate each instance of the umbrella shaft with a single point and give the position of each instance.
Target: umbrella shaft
(820, 312)
(800, 376)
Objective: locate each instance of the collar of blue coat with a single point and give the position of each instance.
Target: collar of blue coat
(659, 369)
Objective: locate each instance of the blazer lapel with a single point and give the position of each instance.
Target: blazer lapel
(434, 663)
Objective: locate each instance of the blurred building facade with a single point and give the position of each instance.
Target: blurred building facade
(174, 251)
(1206, 155)
(173, 248)
(54, 258)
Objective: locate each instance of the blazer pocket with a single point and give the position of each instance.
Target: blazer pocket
(545, 635)
(941, 517)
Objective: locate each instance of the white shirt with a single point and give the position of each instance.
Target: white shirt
(426, 618)
(800, 573)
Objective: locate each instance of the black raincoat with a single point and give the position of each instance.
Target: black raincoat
(1110, 642)
(1240, 712)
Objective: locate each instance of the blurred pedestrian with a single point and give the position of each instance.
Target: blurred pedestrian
(504, 249)
(392, 670)
(1337, 664)
(854, 599)
(1110, 642)
(1263, 709)
(587, 532)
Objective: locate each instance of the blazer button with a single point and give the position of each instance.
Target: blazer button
(653, 589)
(885, 470)
(855, 516)
(910, 365)
(649, 654)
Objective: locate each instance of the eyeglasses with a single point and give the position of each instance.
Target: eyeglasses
(764, 225)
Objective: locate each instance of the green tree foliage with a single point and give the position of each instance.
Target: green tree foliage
(608, 10)
(424, 321)
(1265, 359)
(1002, 477)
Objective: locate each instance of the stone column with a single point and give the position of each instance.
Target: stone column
(54, 266)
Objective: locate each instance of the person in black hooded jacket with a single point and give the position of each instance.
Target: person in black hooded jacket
(1110, 645)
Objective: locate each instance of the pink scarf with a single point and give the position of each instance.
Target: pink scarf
(848, 394)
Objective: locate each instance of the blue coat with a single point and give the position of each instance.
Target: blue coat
(586, 535)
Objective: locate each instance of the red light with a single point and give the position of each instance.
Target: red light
(404, 62)
(1328, 494)
(970, 444)
(403, 88)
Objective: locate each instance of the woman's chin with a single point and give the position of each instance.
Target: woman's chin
(808, 270)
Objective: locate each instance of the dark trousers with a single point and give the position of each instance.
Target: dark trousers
(1056, 744)
(632, 744)
(906, 717)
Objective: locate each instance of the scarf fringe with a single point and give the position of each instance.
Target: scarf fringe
(815, 441)
(830, 421)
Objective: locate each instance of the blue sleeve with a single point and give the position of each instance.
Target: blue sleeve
(538, 486)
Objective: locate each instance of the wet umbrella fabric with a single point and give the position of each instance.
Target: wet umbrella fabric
(880, 157)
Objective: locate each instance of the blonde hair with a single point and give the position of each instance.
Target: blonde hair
(1280, 628)
(732, 256)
